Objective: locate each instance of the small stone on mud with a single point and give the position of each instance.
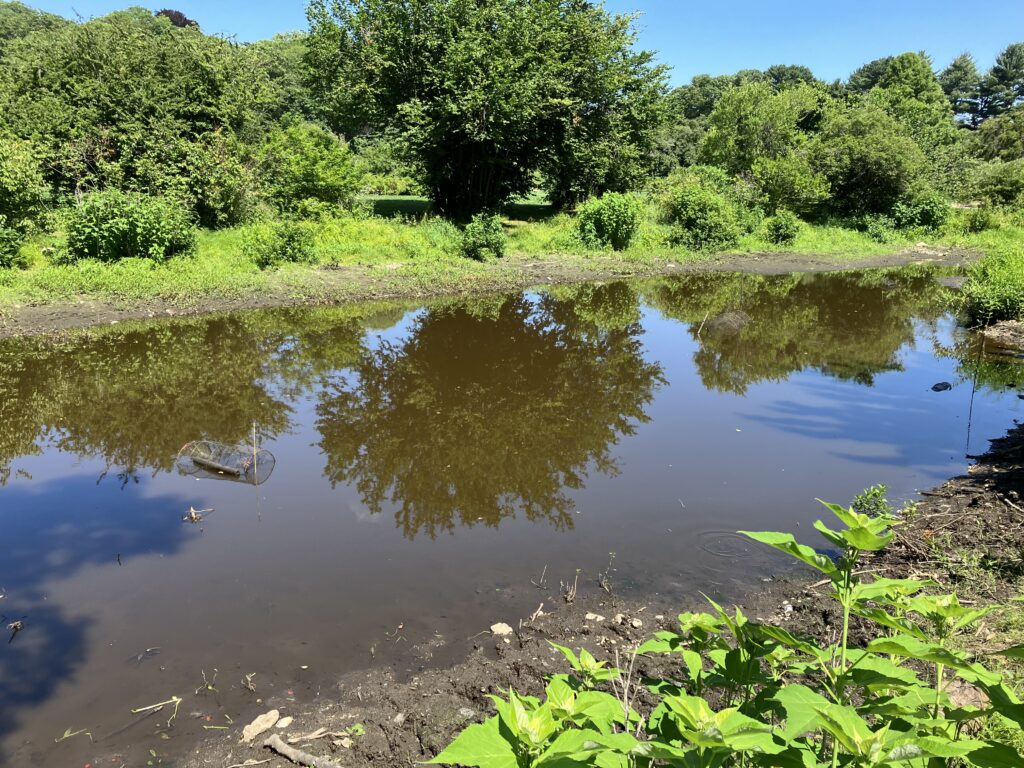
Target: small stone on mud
(593, 617)
(619, 618)
(467, 712)
(636, 623)
(262, 723)
(284, 722)
(501, 629)
(399, 718)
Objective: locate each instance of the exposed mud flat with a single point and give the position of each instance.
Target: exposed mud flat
(408, 721)
(338, 284)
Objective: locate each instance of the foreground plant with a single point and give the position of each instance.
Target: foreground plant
(752, 694)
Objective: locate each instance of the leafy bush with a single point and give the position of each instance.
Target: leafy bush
(10, 245)
(270, 244)
(389, 184)
(751, 694)
(302, 161)
(610, 220)
(924, 209)
(995, 288)
(1001, 183)
(23, 191)
(880, 228)
(221, 184)
(701, 217)
(114, 225)
(484, 236)
(980, 219)
(782, 228)
(789, 182)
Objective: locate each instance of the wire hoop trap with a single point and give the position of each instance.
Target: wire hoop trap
(219, 461)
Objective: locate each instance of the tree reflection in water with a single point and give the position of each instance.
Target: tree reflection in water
(490, 408)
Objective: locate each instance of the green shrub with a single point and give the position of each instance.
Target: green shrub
(789, 182)
(610, 220)
(389, 184)
(739, 692)
(782, 228)
(221, 184)
(270, 244)
(995, 288)
(980, 219)
(925, 209)
(302, 161)
(880, 228)
(1001, 183)
(10, 246)
(23, 191)
(484, 236)
(701, 217)
(114, 225)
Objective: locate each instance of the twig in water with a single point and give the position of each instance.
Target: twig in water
(247, 682)
(540, 584)
(605, 579)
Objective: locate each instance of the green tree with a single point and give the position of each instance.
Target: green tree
(17, 20)
(866, 77)
(870, 164)
(1004, 85)
(751, 121)
(486, 93)
(1002, 138)
(961, 82)
(119, 100)
(909, 91)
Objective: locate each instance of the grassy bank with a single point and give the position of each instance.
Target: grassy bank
(406, 250)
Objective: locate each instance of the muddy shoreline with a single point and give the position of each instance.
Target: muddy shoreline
(341, 284)
(410, 719)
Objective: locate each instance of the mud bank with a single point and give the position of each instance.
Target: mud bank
(339, 284)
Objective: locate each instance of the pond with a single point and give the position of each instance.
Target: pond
(430, 463)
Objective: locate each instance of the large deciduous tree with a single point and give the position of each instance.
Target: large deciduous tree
(487, 93)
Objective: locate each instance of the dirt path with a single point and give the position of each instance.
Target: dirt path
(389, 281)
(408, 721)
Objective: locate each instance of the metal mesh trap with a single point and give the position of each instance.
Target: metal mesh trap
(220, 461)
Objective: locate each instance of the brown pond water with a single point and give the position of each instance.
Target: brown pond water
(431, 462)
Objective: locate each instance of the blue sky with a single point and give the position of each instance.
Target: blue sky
(833, 37)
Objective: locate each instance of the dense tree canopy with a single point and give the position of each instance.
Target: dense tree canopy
(485, 94)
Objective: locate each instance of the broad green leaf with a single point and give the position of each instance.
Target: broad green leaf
(919, 747)
(885, 619)
(561, 695)
(995, 755)
(801, 705)
(1015, 652)
(784, 542)
(889, 588)
(912, 648)
(479, 746)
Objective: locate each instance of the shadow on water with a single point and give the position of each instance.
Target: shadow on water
(48, 537)
(490, 407)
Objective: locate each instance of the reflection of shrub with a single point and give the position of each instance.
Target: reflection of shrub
(10, 244)
(114, 225)
(611, 220)
(782, 228)
(701, 218)
(484, 236)
(925, 209)
(280, 242)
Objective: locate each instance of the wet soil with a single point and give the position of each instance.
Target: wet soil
(336, 284)
(409, 719)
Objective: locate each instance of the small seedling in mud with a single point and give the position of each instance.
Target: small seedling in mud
(569, 590)
(604, 579)
(196, 516)
(175, 700)
(208, 685)
(69, 734)
(247, 682)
